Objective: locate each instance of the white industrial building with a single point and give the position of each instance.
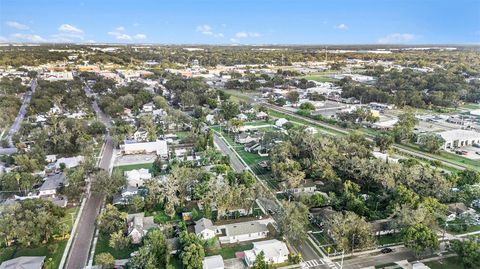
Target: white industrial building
(158, 147)
(459, 138)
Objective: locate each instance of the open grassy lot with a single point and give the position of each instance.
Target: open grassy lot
(228, 251)
(447, 263)
(471, 106)
(389, 239)
(129, 167)
(102, 246)
(319, 78)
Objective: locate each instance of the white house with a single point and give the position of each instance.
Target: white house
(137, 177)
(213, 262)
(205, 229)
(275, 252)
(148, 107)
(158, 147)
(70, 162)
(243, 231)
(459, 138)
(27, 262)
(280, 122)
(242, 116)
(261, 115)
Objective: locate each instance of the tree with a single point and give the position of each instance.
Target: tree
(155, 252)
(247, 179)
(294, 222)
(307, 106)
(350, 231)
(290, 172)
(468, 177)
(384, 141)
(136, 203)
(419, 238)
(111, 220)
(430, 142)
(192, 252)
(468, 251)
(403, 129)
(108, 185)
(118, 240)
(293, 96)
(230, 109)
(105, 260)
(260, 261)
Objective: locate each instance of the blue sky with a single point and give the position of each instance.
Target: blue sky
(242, 21)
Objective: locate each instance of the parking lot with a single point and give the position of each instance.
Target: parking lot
(134, 159)
(471, 152)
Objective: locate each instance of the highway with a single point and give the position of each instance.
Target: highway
(80, 250)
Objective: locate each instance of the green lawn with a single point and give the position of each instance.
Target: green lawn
(53, 251)
(129, 167)
(389, 239)
(470, 229)
(447, 263)
(160, 216)
(471, 106)
(102, 246)
(321, 238)
(319, 78)
(229, 252)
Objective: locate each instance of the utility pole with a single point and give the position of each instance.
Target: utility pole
(353, 243)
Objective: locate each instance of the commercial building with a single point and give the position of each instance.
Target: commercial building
(459, 138)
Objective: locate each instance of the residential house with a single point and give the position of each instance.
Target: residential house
(460, 209)
(205, 229)
(148, 107)
(70, 162)
(245, 138)
(242, 117)
(307, 187)
(24, 262)
(275, 252)
(137, 177)
(140, 135)
(213, 262)
(280, 122)
(261, 115)
(51, 184)
(242, 231)
(138, 226)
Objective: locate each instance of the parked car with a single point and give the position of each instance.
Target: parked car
(386, 250)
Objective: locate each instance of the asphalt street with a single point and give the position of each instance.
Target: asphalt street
(235, 162)
(79, 253)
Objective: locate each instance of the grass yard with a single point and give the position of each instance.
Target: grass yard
(129, 167)
(389, 239)
(321, 238)
(228, 252)
(319, 78)
(53, 251)
(447, 263)
(102, 246)
(470, 229)
(471, 106)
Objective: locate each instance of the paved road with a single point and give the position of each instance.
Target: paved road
(376, 259)
(18, 120)
(79, 253)
(235, 162)
(308, 253)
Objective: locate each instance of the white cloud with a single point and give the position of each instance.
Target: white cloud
(70, 29)
(140, 36)
(207, 30)
(397, 38)
(17, 25)
(342, 26)
(246, 34)
(120, 34)
(234, 40)
(91, 41)
(28, 37)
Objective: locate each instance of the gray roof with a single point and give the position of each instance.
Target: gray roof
(241, 228)
(26, 262)
(213, 262)
(53, 182)
(203, 224)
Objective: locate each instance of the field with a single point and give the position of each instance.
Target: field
(129, 167)
(319, 78)
(102, 246)
(448, 263)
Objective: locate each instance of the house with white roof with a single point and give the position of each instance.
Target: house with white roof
(24, 262)
(137, 177)
(459, 138)
(280, 122)
(69, 162)
(275, 252)
(213, 262)
(233, 232)
(158, 147)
